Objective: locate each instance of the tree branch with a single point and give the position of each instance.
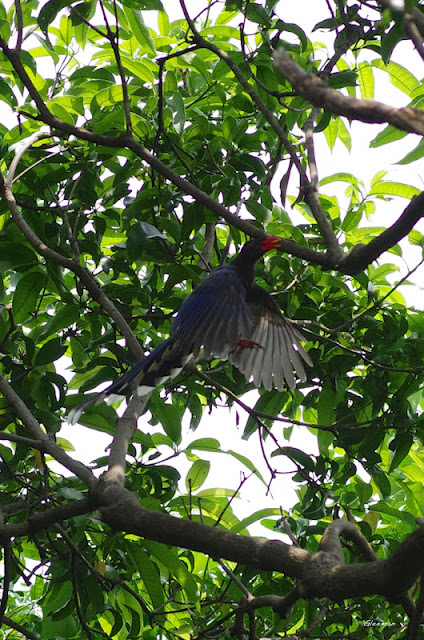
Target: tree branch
(392, 577)
(125, 427)
(79, 469)
(43, 520)
(362, 255)
(20, 629)
(316, 91)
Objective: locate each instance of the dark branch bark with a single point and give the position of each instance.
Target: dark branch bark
(319, 574)
(44, 519)
(319, 94)
(362, 255)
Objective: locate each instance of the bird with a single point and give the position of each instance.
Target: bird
(231, 318)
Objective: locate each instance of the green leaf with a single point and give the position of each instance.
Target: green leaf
(256, 13)
(26, 295)
(331, 132)
(400, 77)
(205, 444)
(138, 69)
(163, 23)
(325, 406)
(197, 474)
(176, 567)
(254, 517)
(415, 154)
(51, 351)
(382, 482)
(297, 456)
(175, 102)
(170, 419)
(352, 219)
(150, 5)
(391, 39)
(139, 29)
(261, 213)
(49, 12)
(149, 573)
(140, 234)
(389, 134)
(378, 274)
(343, 79)
(339, 177)
(296, 29)
(270, 403)
(247, 463)
(16, 256)
(6, 93)
(395, 189)
(344, 135)
(401, 446)
(63, 318)
(416, 237)
(366, 80)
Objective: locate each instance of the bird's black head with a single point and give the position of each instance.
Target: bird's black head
(255, 249)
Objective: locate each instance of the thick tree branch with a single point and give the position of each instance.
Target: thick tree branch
(125, 428)
(414, 33)
(362, 255)
(320, 574)
(331, 544)
(43, 520)
(319, 94)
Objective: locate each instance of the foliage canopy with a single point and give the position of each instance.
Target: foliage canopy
(140, 149)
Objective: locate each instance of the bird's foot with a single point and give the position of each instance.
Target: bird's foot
(246, 344)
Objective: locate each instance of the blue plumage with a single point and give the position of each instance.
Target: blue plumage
(229, 317)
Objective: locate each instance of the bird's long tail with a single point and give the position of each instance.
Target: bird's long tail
(163, 363)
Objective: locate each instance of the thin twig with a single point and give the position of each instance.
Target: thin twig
(7, 559)
(414, 34)
(19, 24)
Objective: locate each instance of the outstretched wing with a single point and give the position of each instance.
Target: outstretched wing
(215, 316)
(273, 353)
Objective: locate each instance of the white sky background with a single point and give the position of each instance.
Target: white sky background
(362, 162)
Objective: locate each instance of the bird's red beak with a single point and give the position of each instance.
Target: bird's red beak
(271, 242)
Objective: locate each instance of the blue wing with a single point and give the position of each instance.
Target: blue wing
(215, 316)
